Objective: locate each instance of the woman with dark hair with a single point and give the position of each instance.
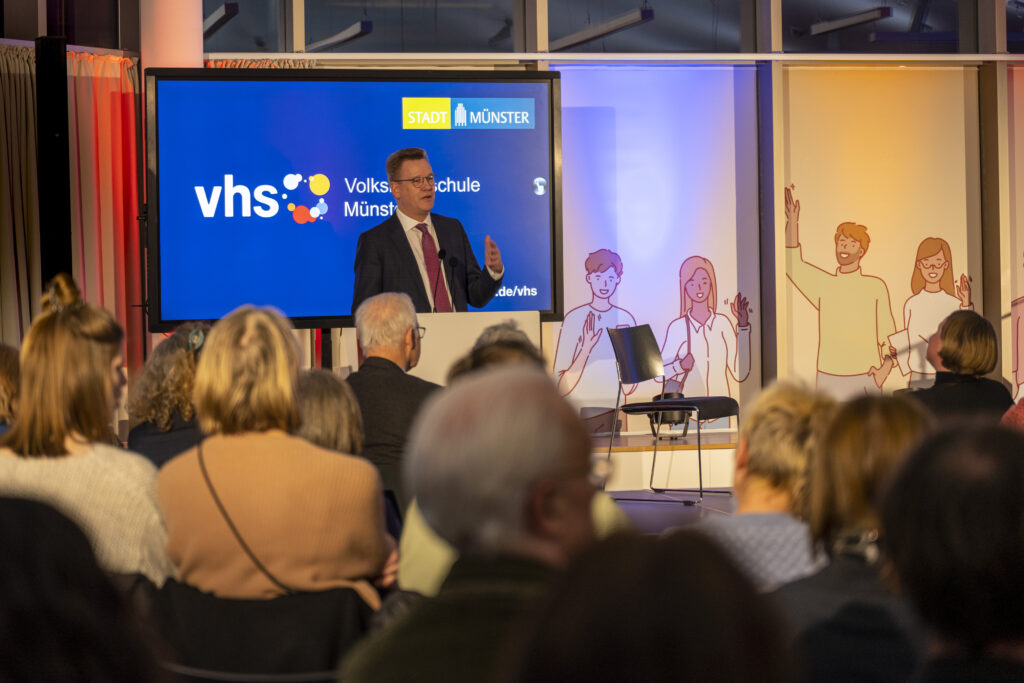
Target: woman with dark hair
(57, 449)
(848, 625)
(60, 616)
(962, 350)
(633, 608)
(163, 419)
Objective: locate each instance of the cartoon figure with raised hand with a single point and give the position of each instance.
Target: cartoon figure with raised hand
(584, 358)
(934, 296)
(854, 314)
(701, 347)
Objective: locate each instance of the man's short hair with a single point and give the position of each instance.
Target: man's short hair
(394, 163)
(383, 320)
(954, 526)
(603, 259)
(477, 448)
(782, 428)
(854, 231)
(969, 345)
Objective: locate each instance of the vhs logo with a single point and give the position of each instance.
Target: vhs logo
(468, 113)
(262, 200)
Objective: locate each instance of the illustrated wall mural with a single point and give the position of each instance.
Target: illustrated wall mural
(658, 196)
(1014, 332)
(881, 221)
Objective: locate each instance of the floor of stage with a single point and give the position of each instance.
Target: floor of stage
(653, 513)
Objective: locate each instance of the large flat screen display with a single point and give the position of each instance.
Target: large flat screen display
(260, 182)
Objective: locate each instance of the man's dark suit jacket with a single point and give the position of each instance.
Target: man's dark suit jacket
(389, 399)
(385, 263)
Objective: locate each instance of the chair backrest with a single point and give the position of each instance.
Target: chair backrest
(637, 353)
(294, 633)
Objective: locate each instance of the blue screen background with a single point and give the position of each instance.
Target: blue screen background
(260, 131)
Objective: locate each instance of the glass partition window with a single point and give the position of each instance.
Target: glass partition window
(708, 26)
(256, 27)
(454, 26)
(869, 26)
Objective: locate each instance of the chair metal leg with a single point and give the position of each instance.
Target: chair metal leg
(700, 475)
(700, 468)
(654, 459)
(615, 421)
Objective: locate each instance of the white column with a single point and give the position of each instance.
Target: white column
(171, 33)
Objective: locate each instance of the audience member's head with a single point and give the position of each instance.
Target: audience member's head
(60, 292)
(386, 327)
(62, 618)
(164, 389)
(864, 443)
(633, 608)
(246, 378)
(9, 380)
(500, 463)
(778, 435)
(954, 523)
(507, 330)
(965, 344)
(497, 352)
(71, 380)
(330, 413)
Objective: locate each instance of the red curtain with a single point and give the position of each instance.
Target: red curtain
(102, 121)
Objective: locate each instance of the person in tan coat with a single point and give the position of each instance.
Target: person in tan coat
(254, 512)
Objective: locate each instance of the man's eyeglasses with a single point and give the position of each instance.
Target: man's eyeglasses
(422, 331)
(419, 181)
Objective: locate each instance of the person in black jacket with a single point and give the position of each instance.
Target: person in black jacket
(961, 351)
(391, 340)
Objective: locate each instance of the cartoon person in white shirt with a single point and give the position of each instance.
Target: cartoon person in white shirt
(934, 296)
(584, 358)
(702, 348)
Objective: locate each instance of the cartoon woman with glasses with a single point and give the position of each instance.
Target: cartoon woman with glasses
(934, 296)
(702, 348)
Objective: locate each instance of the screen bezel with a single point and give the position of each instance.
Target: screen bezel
(151, 239)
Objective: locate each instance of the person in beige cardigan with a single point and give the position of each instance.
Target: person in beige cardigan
(254, 512)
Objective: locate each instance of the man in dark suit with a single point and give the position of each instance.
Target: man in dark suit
(389, 398)
(423, 254)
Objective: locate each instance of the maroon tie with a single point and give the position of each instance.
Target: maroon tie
(441, 304)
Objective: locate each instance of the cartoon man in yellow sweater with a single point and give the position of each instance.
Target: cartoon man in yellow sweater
(854, 314)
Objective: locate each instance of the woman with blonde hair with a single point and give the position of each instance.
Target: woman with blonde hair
(848, 625)
(702, 348)
(933, 296)
(962, 350)
(254, 512)
(57, 449)
(163, 420)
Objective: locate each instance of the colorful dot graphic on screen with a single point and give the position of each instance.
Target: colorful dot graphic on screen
(319, 184)
(301, 215)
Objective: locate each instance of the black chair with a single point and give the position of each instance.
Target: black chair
(638, 359)
(292, 634)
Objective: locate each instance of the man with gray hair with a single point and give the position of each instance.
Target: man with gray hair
(500, 465)
(390, 340)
